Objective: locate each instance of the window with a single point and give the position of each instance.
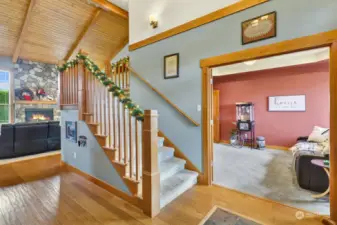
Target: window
(4, 76)
(4, 97)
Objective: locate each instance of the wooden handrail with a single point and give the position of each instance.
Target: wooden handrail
(164, 97)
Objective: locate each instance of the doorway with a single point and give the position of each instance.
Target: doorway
(275, 100)
(326, 39)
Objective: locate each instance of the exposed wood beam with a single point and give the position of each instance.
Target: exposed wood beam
(118, 49)
(23, 31)
(87, 26)
(108, 6)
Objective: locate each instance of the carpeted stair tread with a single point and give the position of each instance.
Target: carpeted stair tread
(175, 185)
(165, 153)
(170, 167)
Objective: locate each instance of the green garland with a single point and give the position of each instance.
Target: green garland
(107, 82)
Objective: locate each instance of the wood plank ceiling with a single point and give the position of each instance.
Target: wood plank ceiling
(52, 30)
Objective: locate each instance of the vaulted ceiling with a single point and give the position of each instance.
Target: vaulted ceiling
(54, 30)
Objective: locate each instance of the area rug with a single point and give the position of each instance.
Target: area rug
(264, 173)
(219, 216)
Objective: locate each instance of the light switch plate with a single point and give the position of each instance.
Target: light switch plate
(198, 108)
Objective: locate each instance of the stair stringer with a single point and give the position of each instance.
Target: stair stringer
(121, 168)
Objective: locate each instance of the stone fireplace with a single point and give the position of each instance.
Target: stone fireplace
(37, 114)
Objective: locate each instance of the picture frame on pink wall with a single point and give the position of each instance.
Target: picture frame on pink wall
(287, 103)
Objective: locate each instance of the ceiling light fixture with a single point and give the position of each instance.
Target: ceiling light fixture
(153, 21)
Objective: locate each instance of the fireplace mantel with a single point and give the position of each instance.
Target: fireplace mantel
(36, 102)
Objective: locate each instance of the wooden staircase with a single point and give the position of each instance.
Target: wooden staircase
(128, 136)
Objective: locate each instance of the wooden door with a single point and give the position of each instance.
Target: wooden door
(216, 116)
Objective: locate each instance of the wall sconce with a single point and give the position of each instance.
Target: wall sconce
(153, 21)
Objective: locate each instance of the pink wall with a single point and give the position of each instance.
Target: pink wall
(279, 128)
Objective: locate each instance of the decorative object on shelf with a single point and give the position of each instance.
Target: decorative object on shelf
(82, 141)
(40, 93)
(259, 28)
(289, 103)
(24, 94)
(153, 21)
(171, 66)
(71, 131)
(107, 82)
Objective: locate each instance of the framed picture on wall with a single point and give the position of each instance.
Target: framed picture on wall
(289, 103)
(171, 66)
(71, 131)
(259, 28)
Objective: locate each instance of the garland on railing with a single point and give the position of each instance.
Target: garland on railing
(107, 82)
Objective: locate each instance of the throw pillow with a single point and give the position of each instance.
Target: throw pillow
(319, 134)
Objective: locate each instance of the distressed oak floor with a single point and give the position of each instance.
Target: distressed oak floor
(37, 192)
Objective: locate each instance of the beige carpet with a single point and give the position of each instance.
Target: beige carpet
(264, 173)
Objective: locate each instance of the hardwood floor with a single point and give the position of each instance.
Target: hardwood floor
(39, 192)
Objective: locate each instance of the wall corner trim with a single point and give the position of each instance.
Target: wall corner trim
(227, 11)
(108, 187)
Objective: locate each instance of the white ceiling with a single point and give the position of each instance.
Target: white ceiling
(124, 4)
(291, 59)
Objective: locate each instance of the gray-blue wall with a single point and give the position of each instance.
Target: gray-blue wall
(295, 18)
(6, 63)
(91, 159)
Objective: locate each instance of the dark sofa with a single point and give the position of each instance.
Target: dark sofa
(310, 176)
(29, 138)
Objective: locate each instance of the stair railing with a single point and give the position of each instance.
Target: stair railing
(127, 135)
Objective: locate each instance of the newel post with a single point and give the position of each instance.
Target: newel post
(80, 70)
(151, 179)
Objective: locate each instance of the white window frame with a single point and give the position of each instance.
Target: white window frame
(10, 95)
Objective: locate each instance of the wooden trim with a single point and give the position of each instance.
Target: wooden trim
(23, 31)
(275, 147)
(30, 158)
(151, 176)
(117, 50)
(227, 11)
(133, 200)
(207, 143)
(324, 39)
(164, 97)
(178, 153)
(289, 46)
(108, 6)
(36, 102)
(86, 28)
(333, 131)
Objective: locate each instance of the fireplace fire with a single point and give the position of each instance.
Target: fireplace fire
(39, 116)
(36, 115)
